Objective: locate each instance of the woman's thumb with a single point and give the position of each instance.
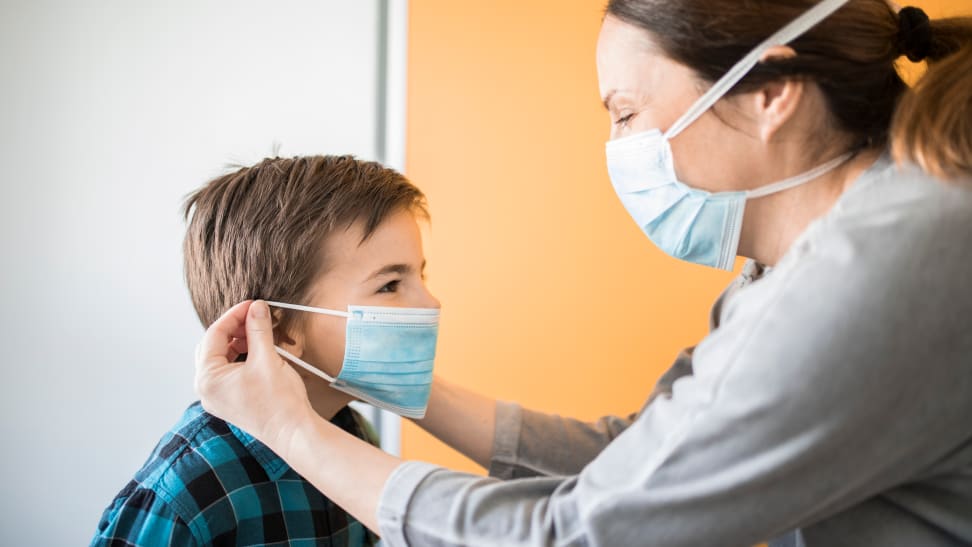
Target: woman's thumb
(259, 333)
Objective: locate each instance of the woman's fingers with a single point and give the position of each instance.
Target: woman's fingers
(238, 345)
(215, 346)
(259, 335)
(263, 396)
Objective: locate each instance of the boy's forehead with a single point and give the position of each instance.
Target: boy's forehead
(396, 239)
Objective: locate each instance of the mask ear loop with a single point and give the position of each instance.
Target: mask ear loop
(782, 37)
(310, 309)
(303, 364)
(293, 358)
(802, 178)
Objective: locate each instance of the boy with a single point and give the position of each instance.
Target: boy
(324, 231)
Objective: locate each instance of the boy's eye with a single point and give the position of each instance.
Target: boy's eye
(391, 286)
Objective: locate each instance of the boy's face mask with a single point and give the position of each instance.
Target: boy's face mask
(388, 356)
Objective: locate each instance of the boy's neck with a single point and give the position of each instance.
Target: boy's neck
(325, 401)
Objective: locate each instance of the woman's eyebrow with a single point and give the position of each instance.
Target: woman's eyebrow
(607, 99)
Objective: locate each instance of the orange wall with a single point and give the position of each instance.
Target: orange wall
(551, 295)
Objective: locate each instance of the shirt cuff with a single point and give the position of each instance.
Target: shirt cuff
(393, 504)
(506, 440)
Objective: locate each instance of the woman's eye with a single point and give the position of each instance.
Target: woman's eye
(391, 286)
(622, 121)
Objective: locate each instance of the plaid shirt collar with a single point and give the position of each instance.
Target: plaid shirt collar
(275, 467)
(272, 464)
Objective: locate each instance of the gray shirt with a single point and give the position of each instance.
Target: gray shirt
(834, 397)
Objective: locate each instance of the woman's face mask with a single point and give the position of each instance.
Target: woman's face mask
(684, 221)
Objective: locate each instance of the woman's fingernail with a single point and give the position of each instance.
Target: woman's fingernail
(259, 309)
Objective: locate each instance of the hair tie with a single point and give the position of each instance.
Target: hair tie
(914, 34)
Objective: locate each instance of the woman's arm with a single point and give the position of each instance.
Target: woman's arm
(350, 471)
(265, 397)
(514, 442)
(462, 419)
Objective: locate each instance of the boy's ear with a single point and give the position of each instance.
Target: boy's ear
(281, 338)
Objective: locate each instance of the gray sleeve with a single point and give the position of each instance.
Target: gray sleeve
(530, 444)
(763, 438)
(527, 443)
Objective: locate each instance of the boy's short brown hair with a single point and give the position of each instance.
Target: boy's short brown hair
(259, 232)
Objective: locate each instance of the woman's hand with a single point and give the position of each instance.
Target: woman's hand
(264, 396)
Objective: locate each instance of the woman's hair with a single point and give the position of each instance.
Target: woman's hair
(851, 56)
(259, 232)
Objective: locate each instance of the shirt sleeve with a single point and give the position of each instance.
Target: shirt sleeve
(142, 519)
(527, 443)
(532, 444)
(764, 437)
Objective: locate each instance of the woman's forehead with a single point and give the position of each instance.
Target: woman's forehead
(629, 63)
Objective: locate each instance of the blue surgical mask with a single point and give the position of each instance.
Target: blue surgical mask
(685, 222)
(388, 356)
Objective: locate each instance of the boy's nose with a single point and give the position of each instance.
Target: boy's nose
(430, 301)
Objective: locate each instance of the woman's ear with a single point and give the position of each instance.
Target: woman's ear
(776, 102)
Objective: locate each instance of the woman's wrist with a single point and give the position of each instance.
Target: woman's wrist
(347, 469)
(284, 434)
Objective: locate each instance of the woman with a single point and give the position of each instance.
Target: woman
(831, 403)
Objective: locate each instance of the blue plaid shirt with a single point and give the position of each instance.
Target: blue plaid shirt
(209, 483)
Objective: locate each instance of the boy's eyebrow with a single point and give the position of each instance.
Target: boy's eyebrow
(400, 269)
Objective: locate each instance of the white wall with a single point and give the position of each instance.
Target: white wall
(111, 111)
